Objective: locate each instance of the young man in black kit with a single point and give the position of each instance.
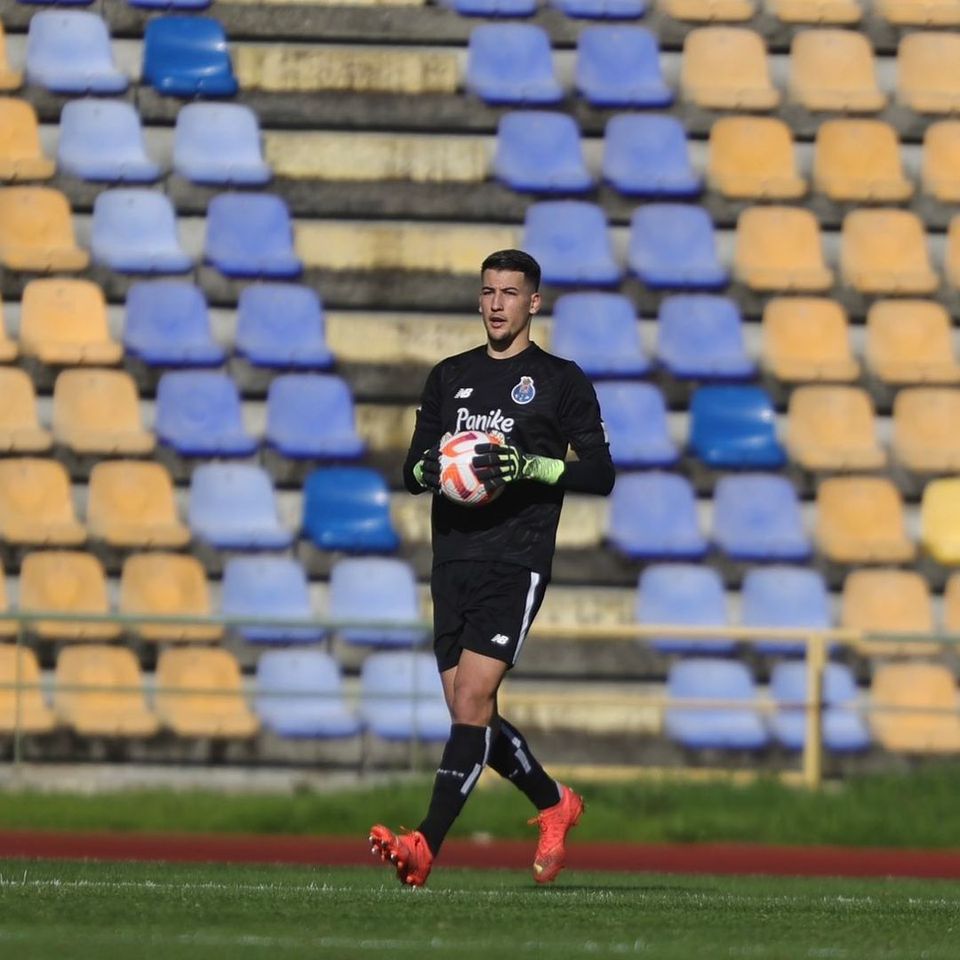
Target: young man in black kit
(491, 564)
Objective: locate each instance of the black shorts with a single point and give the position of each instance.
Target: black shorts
(484, 606)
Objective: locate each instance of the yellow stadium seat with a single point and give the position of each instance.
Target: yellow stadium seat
(200, 694)
(909, 341)
(36, 231)
(951, 604)
(940, 172)
(709, 11)
(725, 68)
(98, 412)
(10, 79)
(167, 585)
(919, 13)
(940, 520)
(952, 256)
(98, 691)
(753, 157)
(31, 715)
(833, 12)
(925, 436)
(861, 520)
(834, 70)
(36, 503)
(859, 160)
(914, 708)
(21, 156)
(20, 430)
(928, 72)
(778, 248)
(885, 251)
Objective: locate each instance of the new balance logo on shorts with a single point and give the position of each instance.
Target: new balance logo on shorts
(463, 393)
(500, 639)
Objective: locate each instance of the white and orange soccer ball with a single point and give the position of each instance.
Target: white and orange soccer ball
(458, 482)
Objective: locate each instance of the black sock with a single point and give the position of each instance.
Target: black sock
(512, 758)
(463, 759)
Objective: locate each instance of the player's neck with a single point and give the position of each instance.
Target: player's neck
(504, 351)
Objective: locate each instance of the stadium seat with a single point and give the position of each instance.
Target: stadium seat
(683, 595)
(920, 13)
(833, 69)
(700, 337)
(198, 414)
(98, 412)
(511, 63)
(601, 9)
(940, 520)
(540, 151)
(294, 428)
(885, 251)
(492, 8)
(10, 79)
(914, 708)
(570, 241)
(187, 57)
(401, 697)
(171, 4)
(710, 726)
(646, 155)
(31, 715)
(709, 11)
(300, 695)
(20, 430)
(36, 503)
(952, 255)
(951, 603)
(635, 418)
(63, 322)
(282, 325)
(860, 520)
(130, 503)
(940, 171)
(619, 67)
(21, 155)
(910, 341)
(859, 161)
(600, 331)
(672, 245)
(784, 597)
(928, 71)
(36, 231)
(925, 437)
(725, 68)
(839, 12)
(778, 248)
(68, 51)
(232, 507)
(757, 518)
(735, 427)
(753, 158)
(654, 516)
(219, 143)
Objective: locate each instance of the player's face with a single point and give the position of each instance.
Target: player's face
(507, 300)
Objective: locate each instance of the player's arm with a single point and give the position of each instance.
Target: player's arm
(421, 468)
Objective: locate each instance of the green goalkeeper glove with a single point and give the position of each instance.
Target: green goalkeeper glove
(426, 471)
(500, 464)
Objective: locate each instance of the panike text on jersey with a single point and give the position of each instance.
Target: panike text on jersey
(537, 402)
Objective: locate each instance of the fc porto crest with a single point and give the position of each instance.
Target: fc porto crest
(524, 391)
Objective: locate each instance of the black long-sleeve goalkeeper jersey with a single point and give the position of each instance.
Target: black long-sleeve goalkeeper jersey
(537, 402)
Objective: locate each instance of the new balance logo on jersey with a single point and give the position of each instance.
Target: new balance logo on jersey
(501, 640)
(463, 393)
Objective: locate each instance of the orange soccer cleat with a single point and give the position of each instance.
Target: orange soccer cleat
(407, 851)
(554, 823)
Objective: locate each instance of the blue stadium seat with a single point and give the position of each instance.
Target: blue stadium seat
(782, 596)
(168, 325)
(570, 240)
(269, 588)
(401, 697)
(540, 151)
(348, 508)
(219, 143)
(134, 230)
(198, 414)
(282, 325)
(512, 63)
(171, 4)
(700, 337)
(756, 517)
(251, 235)
(187, 57)
(654, 516)
(734, 427)
(619, 66)
(376, 589)
(492, 8)
(722, 728)
(68, 51)
(232, 507)
(311, 416)
(683, 595)
(636, 420)
(600, 331)
(601, 9)
(103, 140)
(672, 245)
(646, 155)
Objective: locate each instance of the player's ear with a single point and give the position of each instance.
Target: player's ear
(535, 302)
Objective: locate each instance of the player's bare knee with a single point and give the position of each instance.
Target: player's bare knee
(473, 704)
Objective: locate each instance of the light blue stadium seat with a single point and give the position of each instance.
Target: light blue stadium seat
(232, 507)
(721, 728)
(269, 587)
(300, 695)
(198, 414)
(540, 151)
(756, 517)
(654, 516)
(646, 155)
(700, 337)
(251, 235)
(348, 508)
(735, 427)
(601, 9)
(512, 63)
(187, 57)
(492, 8)
(134, 230)
(619, 66)
(219, 143)
(171, 4)
(282, 325)
(570, 241)
(783, 596)
(103, 140)
(672, 245)
(68, 51)
(311, 416)
(376, 589)
(401, 697)
(600, 331)
(635, 417)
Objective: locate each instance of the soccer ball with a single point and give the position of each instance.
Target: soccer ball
(458, 482)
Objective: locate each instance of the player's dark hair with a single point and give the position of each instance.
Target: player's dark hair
(514, 260)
